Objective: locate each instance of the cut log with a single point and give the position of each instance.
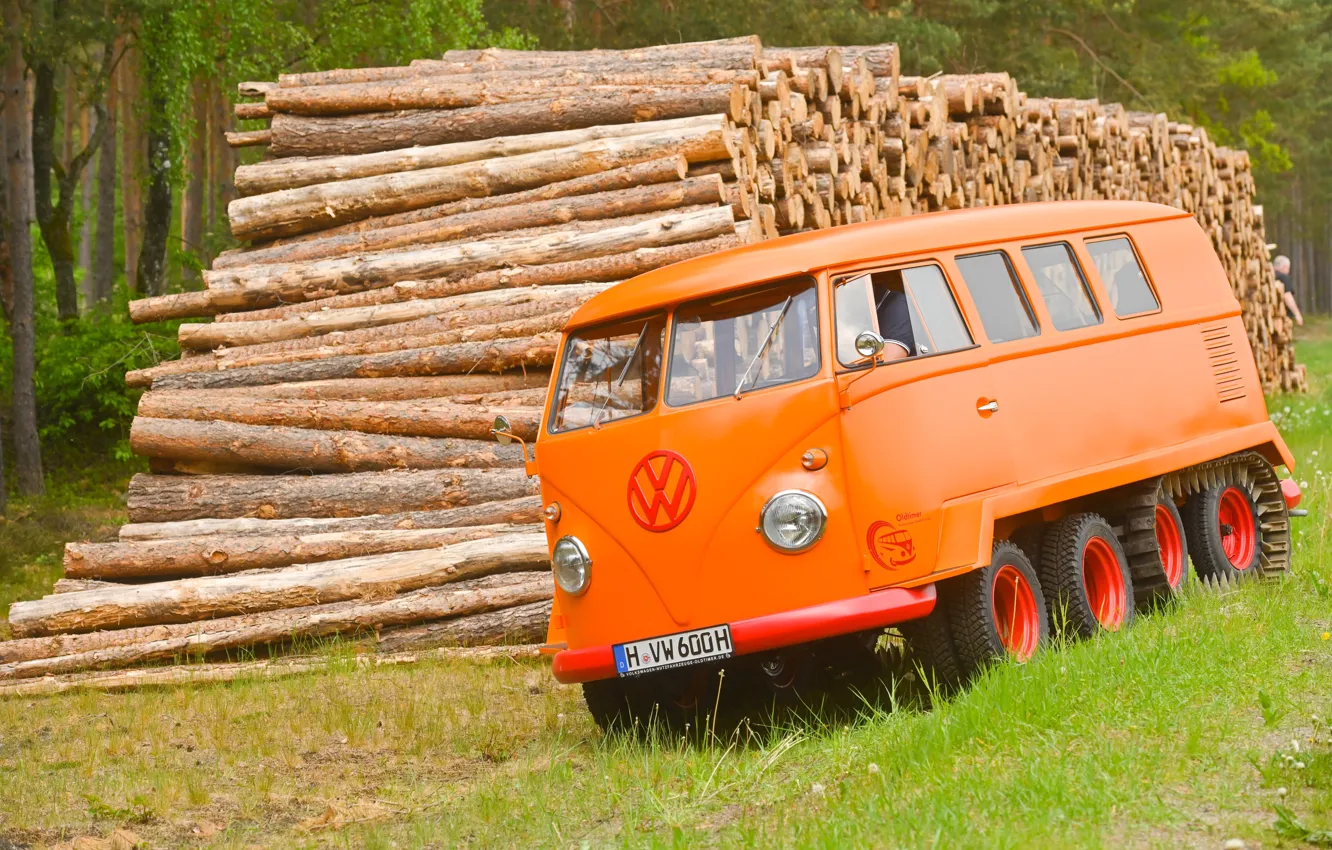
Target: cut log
(258, 286)
(249, 138)
(494, 219)
(220, 555)
(202, 674)
(289, 449)
(74, 585)
(125, 647)
(189, 600)
(521, 624)
(463, 358)
(741, 52)
(295, 172)
(393, 389)
(316, 207)
(457, 91)
(302, 135)
(612, 267)
(419, 418)
(522, 511)
(167, 498)
(468, 308)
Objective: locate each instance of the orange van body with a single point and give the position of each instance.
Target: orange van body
(922, 473)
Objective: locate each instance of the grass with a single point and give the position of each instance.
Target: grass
(1203, 724)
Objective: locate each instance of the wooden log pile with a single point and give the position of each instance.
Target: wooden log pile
(414, 239)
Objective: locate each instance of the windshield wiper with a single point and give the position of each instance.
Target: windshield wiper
(624, 373)
(772, 333)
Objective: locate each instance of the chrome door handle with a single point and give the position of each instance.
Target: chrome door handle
(990, 407)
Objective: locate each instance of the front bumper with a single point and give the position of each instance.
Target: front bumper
(874, 610)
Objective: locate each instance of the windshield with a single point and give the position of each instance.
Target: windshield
(738, 343)
(609, 373)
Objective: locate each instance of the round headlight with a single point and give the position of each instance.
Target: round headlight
(793, 520)
(573, 567)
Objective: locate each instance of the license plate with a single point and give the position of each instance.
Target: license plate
(675, 650)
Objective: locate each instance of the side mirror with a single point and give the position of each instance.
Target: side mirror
(869, 345)
(503, 428)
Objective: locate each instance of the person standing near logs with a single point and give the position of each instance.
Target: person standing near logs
(1281, 265)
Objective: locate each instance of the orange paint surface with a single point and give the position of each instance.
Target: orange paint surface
(919, 476)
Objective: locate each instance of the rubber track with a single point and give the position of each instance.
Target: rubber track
(1253, 472)
(1137, 534)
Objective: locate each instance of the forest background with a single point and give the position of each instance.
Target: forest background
(117, 174)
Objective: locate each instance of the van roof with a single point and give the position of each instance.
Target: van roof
(804, 253)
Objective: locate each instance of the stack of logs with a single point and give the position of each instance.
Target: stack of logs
(417, 236)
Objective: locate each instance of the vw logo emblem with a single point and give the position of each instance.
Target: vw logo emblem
(661, 491)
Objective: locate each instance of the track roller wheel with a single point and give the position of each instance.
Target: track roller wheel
(1223, 528)
(1085, 576)
(997, 611)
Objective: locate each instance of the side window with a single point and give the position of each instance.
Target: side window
(1002, 305)
(1122, 275)
(912, 309)
(1062, 286)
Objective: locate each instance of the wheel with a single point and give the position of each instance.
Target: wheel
(672, 701)
(1085, 576)
(1222, 527)
(1171, 543)
(997, 611)
(929, 641)
(1028, 538)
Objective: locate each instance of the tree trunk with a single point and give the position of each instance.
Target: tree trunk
(18, 177)
(451, 312)
(54, 227)
(418, 418)
(264, 285)
(133, 155)
(223, 165)
(459, 359)
(293, 173)
(317, 207)
(459, 601)
(166, 498)
(525, 510)
(456, 91)
(104, 254)
(213, 555)
(193, 599)
(88, 125)
(285, 448)
(635, 200)
(298, 135)
(520, 624)
(612, 267)
(192, 203)
(151, 272)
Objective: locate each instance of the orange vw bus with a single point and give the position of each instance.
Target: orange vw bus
(955, 424)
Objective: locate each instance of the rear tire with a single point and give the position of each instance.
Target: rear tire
(1172, 544)
(1224, 533)
(997, 611)
(1086, 578)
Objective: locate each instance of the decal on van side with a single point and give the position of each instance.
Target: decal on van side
(890, 546)
(661, 490)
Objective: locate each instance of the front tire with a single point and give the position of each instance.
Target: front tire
(997, 611)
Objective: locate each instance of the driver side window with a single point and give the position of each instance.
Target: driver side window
(912, 308)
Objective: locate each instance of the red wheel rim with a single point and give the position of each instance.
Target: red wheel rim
(1104, 582)
(1170, 542)
(1235, 513)
(1015, 613)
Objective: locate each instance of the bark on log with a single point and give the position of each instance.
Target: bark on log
(249, 138)
(125, 647)
(463, 358)
(289, 449)
(520, 511)
(521, 624)
(661, 170)
(420, 418)
(189, 600)
(738, 52)
(295, 172)
(458, 91)
(612, 267)
(168, 498)
(261, 286)
(299, 135)
(395, 389)
(218, 555)
(635, 200)
(74, 585)
(323, 205)
(201, 674)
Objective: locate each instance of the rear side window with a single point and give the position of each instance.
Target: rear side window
(911, 308)
(1122, 274)
(1062, 286)
(1002, 305)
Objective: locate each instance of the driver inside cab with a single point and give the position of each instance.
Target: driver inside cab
(892, 309)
